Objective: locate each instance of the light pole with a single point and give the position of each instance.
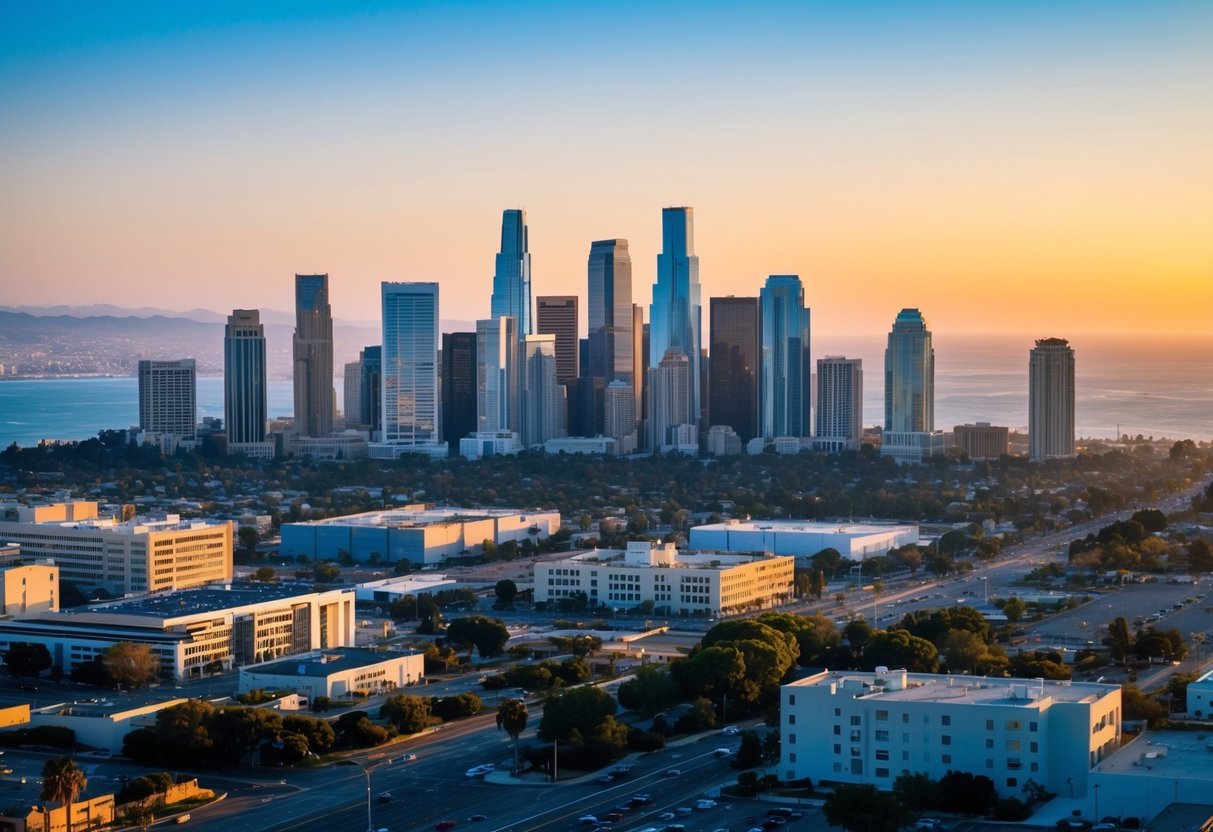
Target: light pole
(1096, 787)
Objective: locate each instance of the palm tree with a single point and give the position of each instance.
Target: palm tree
(512, 718)
(62, 782)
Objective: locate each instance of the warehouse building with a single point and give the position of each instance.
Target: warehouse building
(802, 539)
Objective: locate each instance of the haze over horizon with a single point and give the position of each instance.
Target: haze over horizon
(1017, 168)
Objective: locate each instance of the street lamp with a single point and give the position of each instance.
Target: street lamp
(1096, 801)
(366, 770)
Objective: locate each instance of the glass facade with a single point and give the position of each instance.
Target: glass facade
(909, 375)
(512, 277)
(458, 386)
(313, 355)
(410, 363)
(674, 317)
(244, 390)
(733, 365)
(786, 376)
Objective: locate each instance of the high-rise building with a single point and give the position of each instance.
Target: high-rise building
(557, 315)
(909, 376)
(458, 386)
(669, 399)
(733, 372)
(610, 311)
(512, 277)
(674, 317)
(168, 398)
(244, 386)
(497, 375)
(542, 395)
(619, 409)
(786, 383)
(313, 353)
(839, 404)
(371, 395)
(351, 399)
(410, 371)
(1051, 400)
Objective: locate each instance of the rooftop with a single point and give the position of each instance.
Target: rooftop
(190, 601)
(898, 685)
(328, 662)
(404, 518)
(1165, 754)
(805, 526)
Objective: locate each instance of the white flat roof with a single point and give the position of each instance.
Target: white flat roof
(1166, 754)
(807, 527)
(966, 690)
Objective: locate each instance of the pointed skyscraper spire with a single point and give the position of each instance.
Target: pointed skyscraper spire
(512, 278)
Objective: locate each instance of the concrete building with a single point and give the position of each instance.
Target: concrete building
(409, 396)
(189, 630)
(458, 385)
(484, 443)
(723, 441)
(839, 404)
(29, 590)
(699, 583)
(604, 445)
(337, 673)
(387, 590)
(1051, 400)
(909, 390)
(542, 398)
(669, 397)
(913, 447)
(101, 724)
(557, 315)
(351, 398)
(620, 416)
(982, 440)
(1200, 697)
(313, 355)
(145, 554)
(802, 539)
(168, 398)
(498, 381)
(415, 534)
(346, 444)
(871, 727)
(245, 412)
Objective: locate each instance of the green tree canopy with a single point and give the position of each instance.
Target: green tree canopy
(487, 635)
(410, 714)
(24, 658)
(577, 709)
(862, 808)
(898, 648)
(62, 783)
(130, 665)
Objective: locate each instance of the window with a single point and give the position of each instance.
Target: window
(989, 762)
(1032, 727)
(1013, 745)
(990, 744)
(856, 751)
(882, 716)
(855, 720)
(1012, 782)
(837, 748)
(946, 719)
(1034, 747)
(946, 759)
(882, 754)
(946, 739)
(791, 719)
(882, 736)
(926, 719)
(838, 712)
(882, 772)
(791, 756)
(792, 738)
(1034, 767)
(791, 699)
(989, 725)
(1014, 725)
(905, 718)
(838, 730)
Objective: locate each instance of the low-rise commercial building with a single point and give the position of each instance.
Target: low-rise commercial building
(29, 589)
(871, 727)
(194, 629)
(153, 553)
(415, 534)
(676, 583)
(982, 440)
(802, 538)
(101, 724)
(337, 673)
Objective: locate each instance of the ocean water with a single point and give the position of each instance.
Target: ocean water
(1159, 386)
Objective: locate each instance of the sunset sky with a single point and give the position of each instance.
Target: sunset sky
(1035, 167)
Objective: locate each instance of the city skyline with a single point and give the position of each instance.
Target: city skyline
(1036, 153)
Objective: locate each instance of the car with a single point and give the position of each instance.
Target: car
(639, 800)
(665, 816)
(407, 758)
(614, 816)
(477, 818)
(705, 803)
(588, 820)
(675, 827)
(928, 823)
(480, 770)
(673, 772)
(780, 811)
(1104, 827)
(722, 751)
(683, 810)
(605, 779)
(771, 824)
(443, 825)
(385, 797)
(730, 731)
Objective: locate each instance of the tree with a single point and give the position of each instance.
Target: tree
(1200, 555)
(182, 732)
(916, 791)
(62, 782)
(650, 691)
(487, 635)
(1119, 640)
(141, 812)
(237, 732)
(512, 718)
(506, 591)
(961, 791)
(265, 575)
(897, 648)
(410, 714)
(130, 665)
(248, 538)
(318, 733)
(1014, 609)
(26, 659)
(324, 572)
(1138, 706)
(862, 808)
(579, 709)
(749, 753)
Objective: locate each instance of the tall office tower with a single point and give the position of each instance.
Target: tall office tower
(1051, 400)
(674, 316)
(351, 399)
(909, 376)
(639, 366)
(733, 371)
(557, 315)
(168, 398)
(542, 396)
(497, 375)
(371, 395)
(839, 404)
(458, 386)
(244, 390)
(609, 301)
(619, 408)
(512, 278)
(410, 368)
(313, 347)
(786, 385)
(669, 398)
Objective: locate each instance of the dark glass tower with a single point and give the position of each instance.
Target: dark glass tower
(557, 315)
(733, 366)
(372, 381)
(313, 348)
(244, 390)
(458, 386)
(512, 277)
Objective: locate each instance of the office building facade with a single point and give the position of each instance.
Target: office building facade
(839, 404)
(542, 396)
(909, 375)
(786, 383)
(670, 401)
(1051, 400)
(313, 355)
(982, 440)
(675, 314)
(168, 398)
(734, 362)
(512, 275)
(458, 386)
(244, 380)
(557, 315)
(371, 395)
(409, 397)
(497, 376)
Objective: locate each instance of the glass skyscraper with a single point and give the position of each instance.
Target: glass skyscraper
(733, 365)
(784, 401)
(244, 390)
(909, 376)
(512, 276)
(1051, 400)
(371, 399)
(498, 379)
(410, 364)
(313, 354)
(458, 386)
(674, 316)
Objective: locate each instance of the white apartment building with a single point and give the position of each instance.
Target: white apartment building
(154, 553)
(871, 727)
(676, 583)
(189, 630)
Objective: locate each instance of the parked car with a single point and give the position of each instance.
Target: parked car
(722, 752)
(443, 825)
(673, 772)
(385, 797)
(928, 823)
(730, 730)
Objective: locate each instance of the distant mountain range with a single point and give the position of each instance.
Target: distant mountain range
(102, 339)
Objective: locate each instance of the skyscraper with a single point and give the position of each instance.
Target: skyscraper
(168, 398)
(839, 404)
(1051, 400)
(512, 277)
(669, 399)
(351, 399)
(541, 396)
(909, 376)
(619, 409)
(785, 390)
(244, 388)
(371, 396)
(313, 349)
(410, 370)
(674, 316)
(557, 315)
(497, 375)
(733, 368)
(458, 386)
(609, 301)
